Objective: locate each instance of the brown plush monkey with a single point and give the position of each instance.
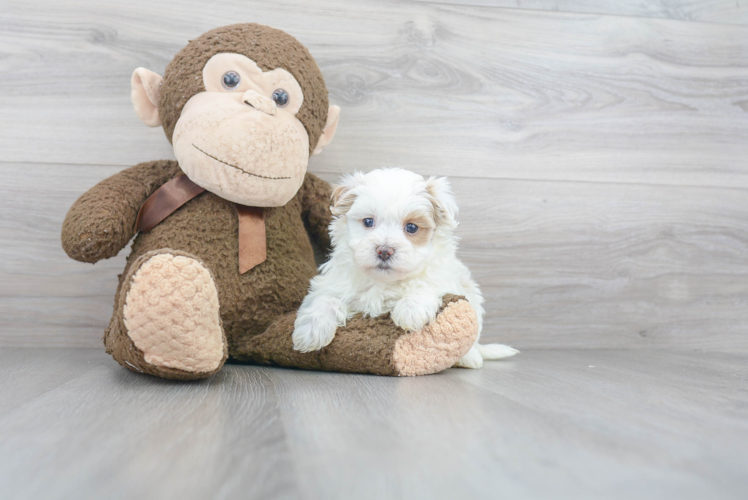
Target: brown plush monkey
(222, 256)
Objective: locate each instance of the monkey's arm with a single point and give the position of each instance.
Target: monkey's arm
(102, 221)
(315, 196)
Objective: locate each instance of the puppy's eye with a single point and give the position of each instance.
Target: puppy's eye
(280, 97)
(231, 80)
(368, 222)
(411, 228)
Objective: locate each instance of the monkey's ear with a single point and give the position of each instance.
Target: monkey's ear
(146, 86)
(343, 195)
(445, 207)
(333, 115)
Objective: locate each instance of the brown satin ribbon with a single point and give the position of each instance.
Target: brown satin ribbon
(252, 240)
(178, 191)
(165, 201)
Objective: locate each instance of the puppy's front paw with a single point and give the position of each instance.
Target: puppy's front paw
(313, 332)
(413, 313)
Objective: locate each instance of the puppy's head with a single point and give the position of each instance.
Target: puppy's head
(391, 220)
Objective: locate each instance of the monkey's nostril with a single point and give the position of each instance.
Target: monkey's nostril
(259, 102)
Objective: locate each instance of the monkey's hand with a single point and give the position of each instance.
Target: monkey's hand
(102, 221)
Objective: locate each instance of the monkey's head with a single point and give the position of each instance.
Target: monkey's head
(244, 107)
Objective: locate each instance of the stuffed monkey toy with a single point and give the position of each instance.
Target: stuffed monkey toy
(222, 256)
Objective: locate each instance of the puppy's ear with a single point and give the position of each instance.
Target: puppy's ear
(343, 195)
(445, 207)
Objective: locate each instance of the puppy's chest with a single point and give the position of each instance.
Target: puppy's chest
(376, 300)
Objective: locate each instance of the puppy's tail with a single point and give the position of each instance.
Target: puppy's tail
(496, 351)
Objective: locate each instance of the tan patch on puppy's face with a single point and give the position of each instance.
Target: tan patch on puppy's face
(426, 225)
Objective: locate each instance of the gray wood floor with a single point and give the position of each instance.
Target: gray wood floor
(548, 424)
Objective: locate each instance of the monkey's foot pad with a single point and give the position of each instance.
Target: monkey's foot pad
(440, 344)
(171, 314)
(373, 345)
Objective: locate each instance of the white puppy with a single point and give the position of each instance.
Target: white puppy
(394, 251)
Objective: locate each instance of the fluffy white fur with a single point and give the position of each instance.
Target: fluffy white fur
(411, 281)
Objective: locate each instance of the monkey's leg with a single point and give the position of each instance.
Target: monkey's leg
(166, 319)
(372, 345)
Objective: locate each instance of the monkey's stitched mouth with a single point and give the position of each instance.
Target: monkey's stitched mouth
(240, 169)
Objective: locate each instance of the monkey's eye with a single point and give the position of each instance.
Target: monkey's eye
(411, 228)
(280, 97)
(231, 80)
(368, 222)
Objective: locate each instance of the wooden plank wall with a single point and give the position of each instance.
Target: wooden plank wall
(599, 150)
(712, 11)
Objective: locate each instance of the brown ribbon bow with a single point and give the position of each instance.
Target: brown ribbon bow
(178, 191)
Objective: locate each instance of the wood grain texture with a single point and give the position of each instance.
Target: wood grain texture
(69, 302)
(600, 161)
(547, 424)
(601, 265)
(712, 11)
(561, 264)
(468, 91)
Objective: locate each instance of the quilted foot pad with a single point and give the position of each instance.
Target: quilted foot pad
(171, 314)
(440, 344)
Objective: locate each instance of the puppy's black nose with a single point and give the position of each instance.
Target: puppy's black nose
(384, 253)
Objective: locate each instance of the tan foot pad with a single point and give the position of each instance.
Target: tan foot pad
(171, 314)
(439, 344)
